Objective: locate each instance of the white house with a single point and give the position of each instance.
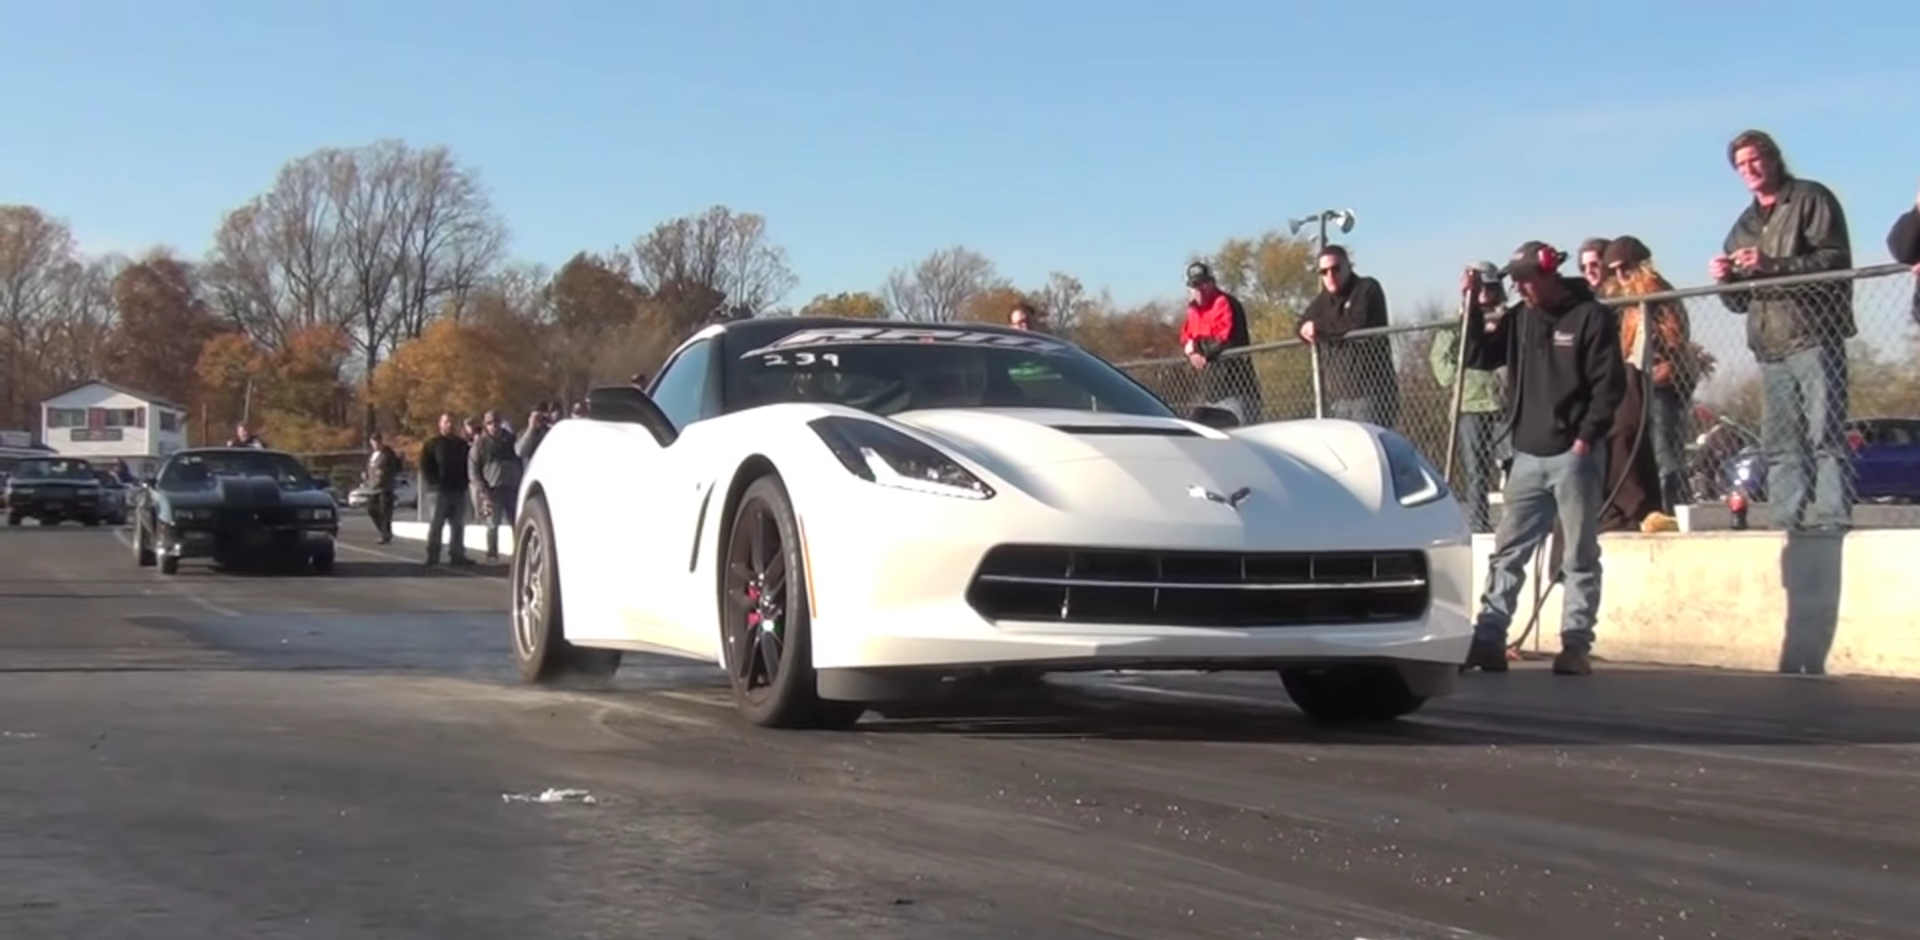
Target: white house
(101, 421)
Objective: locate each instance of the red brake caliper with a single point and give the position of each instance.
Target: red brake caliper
(753, 597)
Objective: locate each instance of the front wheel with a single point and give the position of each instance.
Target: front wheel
(540, 647)
(766, 626)
(1350, 694)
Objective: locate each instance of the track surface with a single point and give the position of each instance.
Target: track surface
(218, 755)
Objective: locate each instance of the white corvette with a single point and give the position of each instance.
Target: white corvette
(842, 513)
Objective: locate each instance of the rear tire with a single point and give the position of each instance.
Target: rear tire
(1350, 694)
(540, 647)
(763, 580)
(170, 564)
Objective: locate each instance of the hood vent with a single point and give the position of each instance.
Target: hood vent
(1125, 430)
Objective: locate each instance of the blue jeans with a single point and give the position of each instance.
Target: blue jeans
(1669, 433)
(1804, 436)
(1479, 459)
(1539, 489)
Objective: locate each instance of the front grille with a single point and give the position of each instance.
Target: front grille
(1270, 589)
(248, 518)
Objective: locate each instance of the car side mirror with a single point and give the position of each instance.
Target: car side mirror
(628, 405)
(1214, 417)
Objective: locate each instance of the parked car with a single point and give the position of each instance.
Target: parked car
(114, 497)
(1886, 462)
(53, 490)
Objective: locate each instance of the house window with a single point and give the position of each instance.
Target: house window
(122, 417)
(170, 421)
(66, 417)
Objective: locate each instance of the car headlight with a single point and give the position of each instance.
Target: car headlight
(319, 513)
(879, 454)
(1415, 481)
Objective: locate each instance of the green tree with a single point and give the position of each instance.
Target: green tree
(1273, 276)
(858, 304)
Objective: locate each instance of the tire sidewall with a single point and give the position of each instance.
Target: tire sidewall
(793, 686)
(532, 659)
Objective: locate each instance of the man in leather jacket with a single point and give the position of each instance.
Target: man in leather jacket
(1797, 333)
(383, 470)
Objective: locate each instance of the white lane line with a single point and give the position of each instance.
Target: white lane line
(176, 588)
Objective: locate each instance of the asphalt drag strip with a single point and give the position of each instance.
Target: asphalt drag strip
(225, 755)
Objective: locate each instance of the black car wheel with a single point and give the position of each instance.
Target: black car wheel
(540, 647)
(1350, 694)
(323, 561)
(765, 624)
(170, 564)
(13, 518)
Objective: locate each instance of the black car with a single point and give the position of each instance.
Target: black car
(53, 489)
(234, 505)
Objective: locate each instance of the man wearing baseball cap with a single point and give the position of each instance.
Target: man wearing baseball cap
(1565, 378)
(1216, 322)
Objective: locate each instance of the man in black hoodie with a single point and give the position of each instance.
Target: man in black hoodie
(443, 484)
(1565, 379)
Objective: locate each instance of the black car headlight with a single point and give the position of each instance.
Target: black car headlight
(1415, 481)
(879, 454)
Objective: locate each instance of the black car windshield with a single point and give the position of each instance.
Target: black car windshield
(192, 471)
(887, 370)
(78, 470)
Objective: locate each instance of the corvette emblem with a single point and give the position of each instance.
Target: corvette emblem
(1231, 500)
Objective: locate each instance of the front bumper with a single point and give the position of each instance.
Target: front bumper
(61, 507)
(239, 534)
(927, 601)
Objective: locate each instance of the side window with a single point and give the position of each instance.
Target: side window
(684, 391)
(1041, 386)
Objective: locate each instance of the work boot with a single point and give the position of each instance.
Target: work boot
(1573, 662)
(1487, 655)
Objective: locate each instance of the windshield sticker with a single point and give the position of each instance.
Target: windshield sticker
(900, 336)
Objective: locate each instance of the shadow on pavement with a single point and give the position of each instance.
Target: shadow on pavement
(1620, 707)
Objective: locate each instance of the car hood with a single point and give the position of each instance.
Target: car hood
(1125, 466)
(248, 491)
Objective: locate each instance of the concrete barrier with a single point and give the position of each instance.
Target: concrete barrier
(1751, 600)
(1729, 600)
(475, 537)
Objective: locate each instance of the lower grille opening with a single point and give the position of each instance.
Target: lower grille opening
(1094, 586)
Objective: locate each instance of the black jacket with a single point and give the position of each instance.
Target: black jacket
(1804, 233)
(443, 463)
(1565, 374)
(1903, 242)
(1361, 367)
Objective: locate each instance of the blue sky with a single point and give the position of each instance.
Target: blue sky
(1110, 140)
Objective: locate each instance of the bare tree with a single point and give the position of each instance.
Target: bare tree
(376, 240)
(936, 290)
(39, 268)
(1064, 303)
(694, 264)
(276, 267)
(71, 343)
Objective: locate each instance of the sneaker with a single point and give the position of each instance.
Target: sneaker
(1487, 655)
(1573, 662)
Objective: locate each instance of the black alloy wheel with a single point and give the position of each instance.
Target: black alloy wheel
(765, 621)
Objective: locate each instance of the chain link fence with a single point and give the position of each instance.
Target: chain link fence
(1852, 418)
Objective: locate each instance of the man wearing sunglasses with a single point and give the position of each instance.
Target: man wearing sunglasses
(1356, 373)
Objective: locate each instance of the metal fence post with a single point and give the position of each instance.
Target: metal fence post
(1319, 395)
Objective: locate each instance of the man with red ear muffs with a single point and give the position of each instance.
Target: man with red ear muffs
(1565, 379)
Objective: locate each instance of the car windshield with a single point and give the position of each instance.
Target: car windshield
(886, 370)
(203, 470)
(54, 470)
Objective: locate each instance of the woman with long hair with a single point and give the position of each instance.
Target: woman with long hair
(1676, 364)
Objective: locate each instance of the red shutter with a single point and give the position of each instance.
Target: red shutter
(96, 418)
